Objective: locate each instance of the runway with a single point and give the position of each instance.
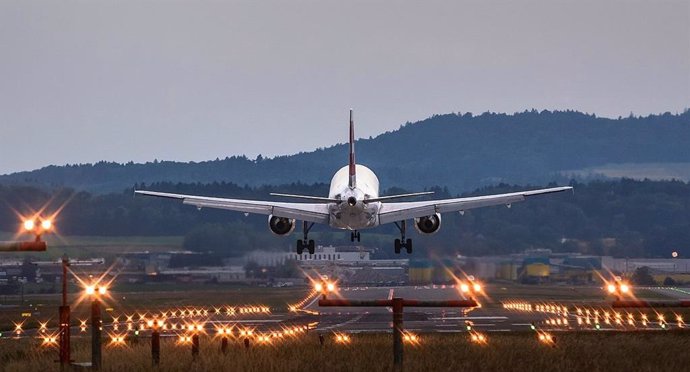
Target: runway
(378, 319)
(489, 317)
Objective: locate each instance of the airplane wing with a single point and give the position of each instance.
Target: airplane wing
(310, 212)
(393, 212)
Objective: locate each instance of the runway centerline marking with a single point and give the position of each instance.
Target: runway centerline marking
(349, 321)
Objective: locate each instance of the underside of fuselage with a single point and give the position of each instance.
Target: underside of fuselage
(352, 212)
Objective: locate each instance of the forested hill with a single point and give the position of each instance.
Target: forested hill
(624, 218)
(460, 151)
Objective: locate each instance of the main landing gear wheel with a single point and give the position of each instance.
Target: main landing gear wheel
(401, 243)
(305, 243)
(354, 235)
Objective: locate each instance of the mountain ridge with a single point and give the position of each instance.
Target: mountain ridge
(460, 151)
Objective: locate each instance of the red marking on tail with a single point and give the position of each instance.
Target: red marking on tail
(352, 152)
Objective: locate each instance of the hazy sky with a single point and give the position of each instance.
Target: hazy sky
(82, 81)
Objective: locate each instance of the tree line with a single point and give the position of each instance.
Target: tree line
(624, 218)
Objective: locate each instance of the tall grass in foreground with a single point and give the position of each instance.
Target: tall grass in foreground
(592, 351)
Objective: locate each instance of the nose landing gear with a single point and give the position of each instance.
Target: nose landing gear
(354, 235)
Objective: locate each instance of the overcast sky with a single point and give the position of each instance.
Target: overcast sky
(194, 80)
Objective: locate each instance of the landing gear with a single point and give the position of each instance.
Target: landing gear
(306, 243)
(401, 243)
(354, 235)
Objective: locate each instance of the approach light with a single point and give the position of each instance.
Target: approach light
(478, 338)
(411, 338)
(619, 287)
(46, 224)
(546, 338)
(29, 225)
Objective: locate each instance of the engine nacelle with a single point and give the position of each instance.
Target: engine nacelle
(429, 224)
(281, 225)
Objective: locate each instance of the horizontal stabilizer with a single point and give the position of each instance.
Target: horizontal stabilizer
(307, 197)
(400, 196)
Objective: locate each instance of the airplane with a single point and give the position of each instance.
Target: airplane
(354, 204)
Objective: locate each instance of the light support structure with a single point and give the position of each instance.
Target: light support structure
(64, 317)
(96, 325)
(398, 305)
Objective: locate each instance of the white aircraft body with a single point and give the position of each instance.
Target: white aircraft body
(354, 204)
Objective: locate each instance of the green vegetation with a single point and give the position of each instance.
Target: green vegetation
(499, 292)
(128, 298)
(623, 218)
(593, 351)
(107, 247)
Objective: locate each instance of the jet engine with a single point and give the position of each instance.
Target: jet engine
(428, 224)
(281, 225)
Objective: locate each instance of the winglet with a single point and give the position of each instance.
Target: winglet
(353, 176)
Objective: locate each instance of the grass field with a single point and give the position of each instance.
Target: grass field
(96, 246)
(128, 302)
(654, 351)
(569, 294)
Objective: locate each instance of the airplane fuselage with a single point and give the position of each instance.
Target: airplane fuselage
(352, 213)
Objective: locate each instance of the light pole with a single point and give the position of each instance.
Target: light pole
(95, 292)
(64, 319)
(155, 326)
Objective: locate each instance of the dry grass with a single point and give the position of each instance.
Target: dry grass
(595, 351)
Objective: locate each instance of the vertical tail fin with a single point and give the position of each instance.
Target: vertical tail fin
(353, 175)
